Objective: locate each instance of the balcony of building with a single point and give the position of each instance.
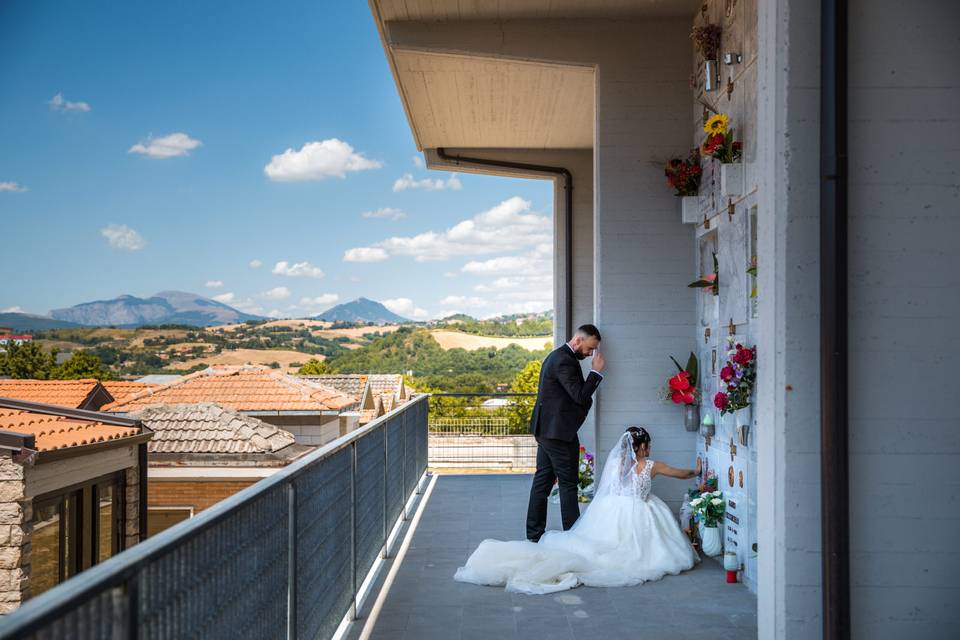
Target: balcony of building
(358, 540)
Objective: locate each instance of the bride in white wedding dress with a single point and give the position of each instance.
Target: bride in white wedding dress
(626, 537)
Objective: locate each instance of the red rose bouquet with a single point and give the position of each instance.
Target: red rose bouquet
(684, 175)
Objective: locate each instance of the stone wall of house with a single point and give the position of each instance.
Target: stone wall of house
(16, 516)
(131, 525)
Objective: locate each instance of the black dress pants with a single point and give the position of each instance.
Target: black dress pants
(556, 460)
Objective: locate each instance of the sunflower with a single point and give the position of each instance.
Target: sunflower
(716, 124)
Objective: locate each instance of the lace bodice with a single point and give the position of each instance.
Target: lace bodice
(643, 480)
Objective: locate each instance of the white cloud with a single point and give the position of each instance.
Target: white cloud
(214, 284)
(503, 264)
(505, 228)
(405, 307)
(243, 304)
(275, 313)
(365, 254)
(14, 309)
(407, 181)
(58, 103)
(450, 274)
(318, 161)
(464, 301)
(256, 264)
(417, 161)
(385, 212)
(320, 301)
(277, 293)
(297, 270)
(120, 236)
(12, 186)
(171, 146)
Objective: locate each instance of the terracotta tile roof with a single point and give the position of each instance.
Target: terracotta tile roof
(210, 429)
(243, 388)
(120, 389)
(54, 431)
(381, 383)
(349, 383)
(65, 393)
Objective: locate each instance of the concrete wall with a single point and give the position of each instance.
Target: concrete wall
(787, 394)
(904, 306)
(313, 429)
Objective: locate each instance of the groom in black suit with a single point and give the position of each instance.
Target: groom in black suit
(563, 400)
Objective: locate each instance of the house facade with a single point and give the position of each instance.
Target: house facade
(72, 494)
(842, 207)
(311, 412)
(203, 453)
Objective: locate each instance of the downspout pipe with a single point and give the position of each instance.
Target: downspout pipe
(834, 427)
(567, 177)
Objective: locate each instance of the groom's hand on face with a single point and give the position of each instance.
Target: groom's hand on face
(598, 362)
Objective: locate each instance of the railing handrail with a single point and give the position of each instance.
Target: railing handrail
(506, 394)
(120, 568)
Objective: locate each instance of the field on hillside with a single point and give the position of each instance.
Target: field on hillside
(469, 341)
(286, 359)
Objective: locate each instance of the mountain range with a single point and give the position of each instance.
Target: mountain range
(165, 307)
(361, 310)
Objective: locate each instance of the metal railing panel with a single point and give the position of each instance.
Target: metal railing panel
(369, 501)
(324, 517)
(228, 582)
(395, 488)
(294, 546)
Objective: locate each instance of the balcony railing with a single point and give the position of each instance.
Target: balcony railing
(284, 558)
(482, 431)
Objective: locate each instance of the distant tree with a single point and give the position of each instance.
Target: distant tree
(526, 381)
(274, 365)
(28, 360)
(314, 367)
(82, 364)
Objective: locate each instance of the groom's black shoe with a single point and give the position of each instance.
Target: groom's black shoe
(534, 540)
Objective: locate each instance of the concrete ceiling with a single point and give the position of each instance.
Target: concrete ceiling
(391, 10)
(458, 101)
(462, 101)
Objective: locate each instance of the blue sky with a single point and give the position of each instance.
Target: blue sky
(169, 145)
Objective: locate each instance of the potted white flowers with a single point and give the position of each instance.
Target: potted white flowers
(709, 508)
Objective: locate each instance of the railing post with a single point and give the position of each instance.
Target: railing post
(291, 561)
(353, 528)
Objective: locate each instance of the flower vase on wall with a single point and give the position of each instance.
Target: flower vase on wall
(690, 209)
(711, 75)
(691, 417)
(731, 179)
(729, 422)
(711, 543)
(744, 417)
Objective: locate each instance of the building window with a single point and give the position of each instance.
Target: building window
(160, 518)
(75, 528)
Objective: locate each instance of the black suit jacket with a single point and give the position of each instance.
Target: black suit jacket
(563, 396)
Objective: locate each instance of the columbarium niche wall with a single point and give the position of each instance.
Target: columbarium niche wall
(727, 227)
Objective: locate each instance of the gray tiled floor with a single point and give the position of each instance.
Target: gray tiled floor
(425, 603)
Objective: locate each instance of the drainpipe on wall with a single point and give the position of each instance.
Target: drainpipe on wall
(834, 460)
(568, 217)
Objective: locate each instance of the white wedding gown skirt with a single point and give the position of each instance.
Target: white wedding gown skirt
(621, 540)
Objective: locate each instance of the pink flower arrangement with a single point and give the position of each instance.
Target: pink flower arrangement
(739, 376)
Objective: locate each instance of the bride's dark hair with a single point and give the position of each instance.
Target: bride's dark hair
(639, 437)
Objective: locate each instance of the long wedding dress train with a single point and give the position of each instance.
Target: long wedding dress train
(627, 536)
